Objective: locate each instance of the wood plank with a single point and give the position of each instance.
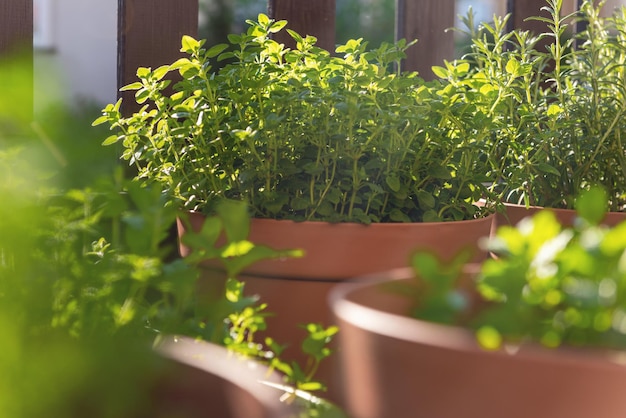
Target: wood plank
(16, 25)
(426, 21)
(522, 9)
(149, 35)
(311, 17)
(16, 41)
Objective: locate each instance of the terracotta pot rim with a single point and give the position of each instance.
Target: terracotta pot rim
(253, 377)
(486, 218)
(450, 337)
(531, 207)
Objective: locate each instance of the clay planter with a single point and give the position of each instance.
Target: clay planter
(395, 366)
(296, 290)
(338, 251)
(205, 380)
(514, 213)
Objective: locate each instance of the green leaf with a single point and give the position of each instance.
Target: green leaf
(234, 290)
(215, 50)
(237, 249)
(111, 140)
(547, 168)
(143, 72)
(160, 72)
(592, 205)
(393, 182)
(133, 86)
(489, 338)
(99, 121)
(397, 215)
(431, 216)
(461, 69)
(295, 35)
(142, 95)
(426, 200)
(440, 71)
(278, 26)
(439, 172)
(554, 109)
(513, 67)
(189, 44)
(235, 218)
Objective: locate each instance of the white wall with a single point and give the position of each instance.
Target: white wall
(81, 66)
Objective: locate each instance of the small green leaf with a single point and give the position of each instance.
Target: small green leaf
(462, 68)
(215, 50)
(431, 216)
(547, 168)
(513, 67)
(111, 140)
(592, 205)
(263, 19)
(278, 26)
(393, 182)
(440, 71)
(143, 72)
(237, 249)
(295, 35)
(189, 44)
(554, 110)
(142, 95)
(133, 86)
(426, 200)
(397, 215)
(235, 218)
(99, 121)
(160, 72)
(489, 338)
(439, 172)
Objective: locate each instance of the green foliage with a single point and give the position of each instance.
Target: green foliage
(301, 134)
(88, 280)
(555, 103)
(546, 283)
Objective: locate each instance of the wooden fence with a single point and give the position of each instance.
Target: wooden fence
(149, 31)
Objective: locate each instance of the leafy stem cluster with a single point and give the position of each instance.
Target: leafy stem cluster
(548, 284)
(303, 134)
(555, 103)
(96, 263)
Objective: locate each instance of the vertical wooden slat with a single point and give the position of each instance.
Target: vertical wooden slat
(307, 17)
(149, 35)
(522, 9)
(16, 25)
(426, 21)
(16, 42)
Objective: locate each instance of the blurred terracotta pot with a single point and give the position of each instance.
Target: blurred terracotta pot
(296, 290)
(393, 365)
(513, 213)
(205, 380)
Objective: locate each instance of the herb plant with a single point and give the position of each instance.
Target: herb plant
(555, 112)
(548, 284)
(302, 134)
(87, 274)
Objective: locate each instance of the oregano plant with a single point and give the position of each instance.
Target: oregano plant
(302, 133)
(554, 102)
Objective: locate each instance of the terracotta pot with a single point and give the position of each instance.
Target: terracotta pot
(514, 213)
(338, 251)
(296, 290)
(396, 366)
(205, 380)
